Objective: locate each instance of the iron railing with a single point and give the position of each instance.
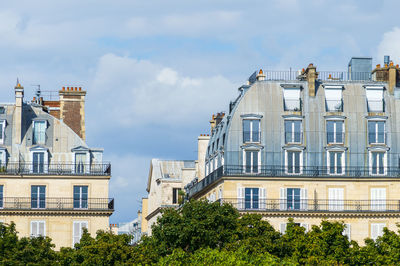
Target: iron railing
(27, 203)
(29, 168)
(328, 76)
(314, 205)
(295, 171)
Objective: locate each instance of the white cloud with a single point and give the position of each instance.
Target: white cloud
(149, 93)
(390, 46)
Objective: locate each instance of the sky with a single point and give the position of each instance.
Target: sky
(155, 71)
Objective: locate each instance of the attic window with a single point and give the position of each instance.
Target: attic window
(2, 109)
(291, 98)
(333, 98)
(375, 101)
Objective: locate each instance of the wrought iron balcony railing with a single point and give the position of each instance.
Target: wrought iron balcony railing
(314, 205)
(295, 171)
(54, 204)
(30, 168)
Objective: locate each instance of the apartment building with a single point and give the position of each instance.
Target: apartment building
(51, 183)
(311, 145)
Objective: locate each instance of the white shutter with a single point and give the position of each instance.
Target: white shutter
(240, 197)
(378, 199)
(303, 199)
(305, 226)
(34, 229)
(336, 202)
(374, 231)
(347, 231)
(42, 228)
(262, 199)
(282, 200)
(76, 234)
(282, 228)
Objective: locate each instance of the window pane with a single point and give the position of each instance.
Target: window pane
(339, 162)
(374, 162)
(371, 132)
(297, 162)
(255, 161)
(330, 131)
(248, 161)
(288, 131)
(255, 198)
(290, 161)
(381, 132)
(256, 130)
(246, 130)
(296, 198)
(297, 131)
(380, 157)
(331, 162)
(247, 198)
(339, 131)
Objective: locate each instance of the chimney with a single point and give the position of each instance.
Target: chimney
(216, 119)
(202, 143)
(389, 73)
(72, 109)
(260, 76)
(311, 76)
(17, 119)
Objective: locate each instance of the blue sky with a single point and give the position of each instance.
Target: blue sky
(155, 71)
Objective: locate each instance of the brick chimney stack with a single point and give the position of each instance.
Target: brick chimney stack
(17, 120)
(72, 109)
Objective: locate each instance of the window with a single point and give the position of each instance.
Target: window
(38, 197)
(377, 230)
(333, 98)
(377, 163)
(283, 226)
(335, 201)
(175, 195)
(335, 162)
(2, 160)
(335, 131)
(38, 162)
(2, 127)
(39, 132)
(293, 162)
(251, 130)
(291, 98)
(78, 231)
(251, 198)
(1, 196)
(80, 197)
(80, 163)
(293, 131)
(38, 228)
(378, 199)
(293, 199)
(251, 161)
(375, 102)
(376, 132)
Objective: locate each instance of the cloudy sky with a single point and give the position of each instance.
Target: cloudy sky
(155, 71)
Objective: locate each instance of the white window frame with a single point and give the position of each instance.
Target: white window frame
(251, 130)
(347, 231)
(303, 199)
(3, 127)
(292, 94)
(334, 93)
(33, 132)
(335, 131)
(37, 224)
(369, 94)
(45, 159)
(329, 154)
(287, 162)
(293, 132)
(377, 230)
(376, 132)
(76, 236)
(251, 161)
(377, 162)
(336, 199)
(378, 199)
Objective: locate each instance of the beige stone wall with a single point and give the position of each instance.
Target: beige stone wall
(144, 214)
(58, 228)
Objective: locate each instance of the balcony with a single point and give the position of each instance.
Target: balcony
(28, 168)
(303, 172)
(326, 76)
(55, 204)
(315, 205)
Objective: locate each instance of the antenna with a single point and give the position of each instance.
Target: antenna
(38, 91)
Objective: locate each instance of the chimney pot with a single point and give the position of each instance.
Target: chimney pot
(63, 88)
(378, 66)
(80, 88)
(391, 63)
(386, 65)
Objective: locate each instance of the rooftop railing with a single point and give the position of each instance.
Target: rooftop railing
(30, 168)
(49, 204)
(295, 171)
(328, 76)
(313, 205)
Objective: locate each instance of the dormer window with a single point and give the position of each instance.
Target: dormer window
(375, 101)
(39, 132)
(39, 159)
(2, 127)
(333, 98)
(251, 130)
(291, 98)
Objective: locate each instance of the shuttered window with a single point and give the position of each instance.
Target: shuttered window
(293, 199)
(347, 231)
(336, 196)
(378, 199)
(377, 230)
(78, 231)
(38, 228)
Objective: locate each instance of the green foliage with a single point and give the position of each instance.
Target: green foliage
(202, 233)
